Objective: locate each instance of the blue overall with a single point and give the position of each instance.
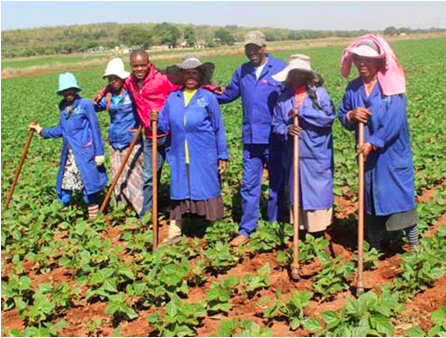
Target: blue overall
(259, 97)
(80, 131)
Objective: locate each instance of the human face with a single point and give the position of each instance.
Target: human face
(115, 83)
(192, 79)
(140, 66)
(298, 78)
(255, 54)
(69, 95)
(367, 67)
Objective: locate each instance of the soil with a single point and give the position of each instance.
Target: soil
(343, 242)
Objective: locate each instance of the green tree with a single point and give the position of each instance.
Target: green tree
(391, 30)
(190, 36)
(134, 35)
(224, 36)
(166, 34)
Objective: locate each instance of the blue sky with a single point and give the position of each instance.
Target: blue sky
(294, 15)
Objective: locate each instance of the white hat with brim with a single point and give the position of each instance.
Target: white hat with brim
(367, 49)
(116, 67)
(297, 62)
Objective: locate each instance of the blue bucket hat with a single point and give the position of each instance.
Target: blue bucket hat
(67, 81)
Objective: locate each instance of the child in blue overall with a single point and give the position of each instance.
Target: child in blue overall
(82, 158)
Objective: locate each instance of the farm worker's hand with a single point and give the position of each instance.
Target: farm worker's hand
(36, 128)
(294, 130)
(97, 98)
(294, 112)
(222, 166)
(365, 149)
(154, 115)
(99, 160)
(359, 115)
(219, 90)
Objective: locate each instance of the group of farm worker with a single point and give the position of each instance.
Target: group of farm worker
(191, 136)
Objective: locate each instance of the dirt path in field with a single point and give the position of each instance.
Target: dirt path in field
(95, 64)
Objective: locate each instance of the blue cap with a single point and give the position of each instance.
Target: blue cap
(67, 81)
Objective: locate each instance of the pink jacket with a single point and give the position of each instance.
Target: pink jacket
(152, 95)
(391, 77)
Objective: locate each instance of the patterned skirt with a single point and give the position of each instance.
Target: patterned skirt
(71, 179)
(129, 189)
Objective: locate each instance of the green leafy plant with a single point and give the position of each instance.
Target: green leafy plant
(369, 315)
(333, 276)
(291, 309)
(180, 319)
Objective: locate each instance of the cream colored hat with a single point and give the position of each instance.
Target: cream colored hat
(367, 49)
(116, 67)
(297, 61)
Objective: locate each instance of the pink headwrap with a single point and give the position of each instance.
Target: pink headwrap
(390, 77)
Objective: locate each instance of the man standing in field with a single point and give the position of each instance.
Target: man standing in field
(253, 82)
(149, 89)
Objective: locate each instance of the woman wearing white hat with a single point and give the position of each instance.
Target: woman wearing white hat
(123, 125)
(305, 98)
(377, 98)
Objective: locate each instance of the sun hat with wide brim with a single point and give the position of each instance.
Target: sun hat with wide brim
(367, 49)
(67, 81)
(116, 67)
(297, 62)
(191, 62)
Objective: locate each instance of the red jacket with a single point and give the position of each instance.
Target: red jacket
(152, 95)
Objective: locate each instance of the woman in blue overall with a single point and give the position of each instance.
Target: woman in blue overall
(305, 98)
(123, 125)
(198, 153)
(377, 99)
(82, 159)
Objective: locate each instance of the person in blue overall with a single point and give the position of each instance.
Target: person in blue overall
(198, 153)
(305, 98)
(375, 99)
(82, 159)
(124, 123)
(253, 82)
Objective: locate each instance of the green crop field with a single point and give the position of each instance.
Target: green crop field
(62, 275)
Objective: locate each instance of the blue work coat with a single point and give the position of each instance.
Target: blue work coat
(389, 172)
(80, 131)
(259, 97)
(315, 147)
(123, 120)
(206, 140)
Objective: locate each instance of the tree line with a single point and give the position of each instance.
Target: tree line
(81, 38)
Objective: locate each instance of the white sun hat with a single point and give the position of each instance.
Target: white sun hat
(368, 49)
(297, 61)
(116, 67)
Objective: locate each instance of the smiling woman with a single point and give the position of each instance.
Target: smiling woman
(199, 151)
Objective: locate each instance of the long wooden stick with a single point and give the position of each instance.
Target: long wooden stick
(155, 184)
(121, 169)
(359, 281)
(19, 167)
(295, 264)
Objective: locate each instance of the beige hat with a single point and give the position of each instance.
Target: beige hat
(367, 49)
(116, 67)
(255, 37)
(297, 61)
